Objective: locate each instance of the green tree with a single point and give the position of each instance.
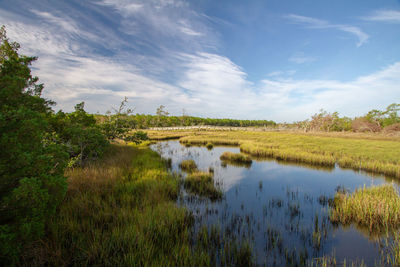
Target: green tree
(118, 125)
(79, 134)
(31, 163)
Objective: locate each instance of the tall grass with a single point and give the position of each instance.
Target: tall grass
(235, 157)
(119, 212)
(188, 165)
(202, 184)
(377, 208)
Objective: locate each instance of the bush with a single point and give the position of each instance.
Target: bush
(363, 125)
(392, 128)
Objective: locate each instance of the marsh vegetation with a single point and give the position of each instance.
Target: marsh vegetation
(280, 214)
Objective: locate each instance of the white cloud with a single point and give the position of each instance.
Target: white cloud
(390, 16)
(208, 84)
(314, 23)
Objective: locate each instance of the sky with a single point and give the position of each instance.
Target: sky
(273, 59)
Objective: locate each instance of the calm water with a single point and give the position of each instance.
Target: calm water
(282, 209)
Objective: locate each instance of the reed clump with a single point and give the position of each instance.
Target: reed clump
(188, 165)
(376, 208)
(202, 184)
(209, 145)
(235, 157)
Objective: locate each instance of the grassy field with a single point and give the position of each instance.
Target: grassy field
(378, 154)
(120, 211)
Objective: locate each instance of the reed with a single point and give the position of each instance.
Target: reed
(188, 165)
(376, 208)
(202, 184)
(235, 157)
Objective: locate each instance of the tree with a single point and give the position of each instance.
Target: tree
(79, 134)
(118, 125)
(161, 114)
(32, 183)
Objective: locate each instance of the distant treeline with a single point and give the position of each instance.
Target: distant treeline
(387, 120)
(143, 121)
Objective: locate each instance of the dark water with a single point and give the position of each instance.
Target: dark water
(281, 209)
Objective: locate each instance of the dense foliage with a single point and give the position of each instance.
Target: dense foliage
(143, 121)
(31, 163)
(36, 147)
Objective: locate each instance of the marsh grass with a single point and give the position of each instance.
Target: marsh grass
(209, 146)
(376, 208)
(370, 153)
(120, 211)
(202, 184)
(235, 157)
(188, 165)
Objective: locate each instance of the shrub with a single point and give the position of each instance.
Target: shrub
(363, 125)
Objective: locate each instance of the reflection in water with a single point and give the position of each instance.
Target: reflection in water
(280, 209)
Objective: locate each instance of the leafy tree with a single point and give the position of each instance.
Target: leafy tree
(31, 163)
(118, 125)
(78, 132)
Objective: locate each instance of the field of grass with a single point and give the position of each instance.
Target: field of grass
(372, 153)
(120, 211)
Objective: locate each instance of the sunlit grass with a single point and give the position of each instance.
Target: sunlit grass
(202, 184)
(235, 157)
(376, 208)
(371, 153)
(188, 165)
(120, 211)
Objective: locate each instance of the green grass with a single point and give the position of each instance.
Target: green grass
(202, 184)
(188, 165)
(120, 211)
(235, 157)
(376, 208)
(371, 153)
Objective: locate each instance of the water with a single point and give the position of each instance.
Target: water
(281, 209)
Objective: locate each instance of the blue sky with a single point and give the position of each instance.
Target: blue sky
(279, 60)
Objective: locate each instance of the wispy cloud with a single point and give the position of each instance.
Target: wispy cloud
(168, 24)
(385, 15)
(314, 23)
(301, 58)
(203, 82)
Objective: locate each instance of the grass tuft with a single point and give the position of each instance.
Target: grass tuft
(377, 208)
(235, 157)
(202, 184)
(188, 165)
